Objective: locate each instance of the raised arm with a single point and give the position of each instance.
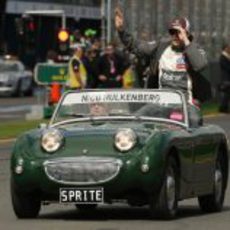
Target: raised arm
(140, 48)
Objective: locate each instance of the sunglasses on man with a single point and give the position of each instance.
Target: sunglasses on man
(174, 32)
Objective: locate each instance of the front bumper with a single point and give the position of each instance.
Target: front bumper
(119, 178)
(6, 89)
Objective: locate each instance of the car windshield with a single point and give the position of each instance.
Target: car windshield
(5, 67)
(129, 104)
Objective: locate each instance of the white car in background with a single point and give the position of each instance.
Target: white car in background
(15, 80)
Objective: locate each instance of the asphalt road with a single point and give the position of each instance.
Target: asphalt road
(115, 217)
(16, 108)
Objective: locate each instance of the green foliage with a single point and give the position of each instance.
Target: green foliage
(209, 108)
(11, 129)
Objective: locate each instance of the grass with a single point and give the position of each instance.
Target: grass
(12, 129)
(210, 108)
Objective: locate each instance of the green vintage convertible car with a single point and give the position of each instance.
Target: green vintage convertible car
(141, 147)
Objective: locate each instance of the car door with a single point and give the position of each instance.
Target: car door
(184, 143)
(204, 158)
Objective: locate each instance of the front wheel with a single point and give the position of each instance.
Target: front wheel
(25, 205)
(214, 201)
(165, 207)
(18, 92)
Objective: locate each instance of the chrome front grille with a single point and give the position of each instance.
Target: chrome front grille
(82, 170)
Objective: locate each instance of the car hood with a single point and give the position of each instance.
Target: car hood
(99, 139)
(94, 140)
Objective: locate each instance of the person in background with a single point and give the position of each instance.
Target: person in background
(77, 70)
(177, 62)
(225, 79)
(110, 69)
(91, 64)
(54, 88)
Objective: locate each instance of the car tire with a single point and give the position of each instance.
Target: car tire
(30, 91)
(86, 207)
(214, 202)
(18, 90)
(25, 206)
(166, 204)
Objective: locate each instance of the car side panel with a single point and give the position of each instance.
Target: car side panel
(207, 140)
(183, 144)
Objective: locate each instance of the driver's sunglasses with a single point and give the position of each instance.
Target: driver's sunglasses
(174, 32)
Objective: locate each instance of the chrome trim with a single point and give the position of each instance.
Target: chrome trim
(80, 161)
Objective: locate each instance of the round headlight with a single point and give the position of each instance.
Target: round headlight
(125, 139)
(51, 140)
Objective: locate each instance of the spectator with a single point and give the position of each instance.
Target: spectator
(91, 64)
(77, 69)
(110, 69)
(225, 79)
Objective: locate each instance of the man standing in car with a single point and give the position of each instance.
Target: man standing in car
(177, 62)
(225, 79)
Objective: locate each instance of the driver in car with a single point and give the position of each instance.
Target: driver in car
(98, 109)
